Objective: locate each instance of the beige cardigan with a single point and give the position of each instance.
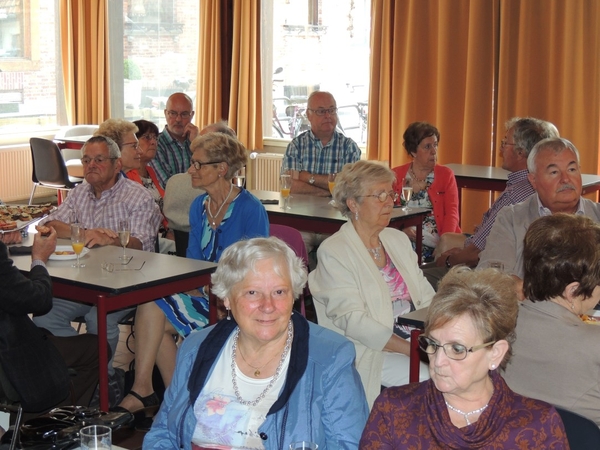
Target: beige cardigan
(352, 298)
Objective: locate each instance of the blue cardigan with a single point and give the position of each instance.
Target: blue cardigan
(322, 400)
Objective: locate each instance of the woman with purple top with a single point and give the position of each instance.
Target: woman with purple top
(466, 403)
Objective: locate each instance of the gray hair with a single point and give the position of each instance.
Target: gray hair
(219, 127)
(113, 148)
(116, 129)
(355, 179)
(557, 145)
(529, 131)
(240, 258)
(222, 147)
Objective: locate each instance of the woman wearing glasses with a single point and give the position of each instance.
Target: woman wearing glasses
(433, 186)
(466, 403)
(222, 216)
(367, 275)
(123, 133)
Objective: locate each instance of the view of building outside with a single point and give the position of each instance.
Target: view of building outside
(316, 45)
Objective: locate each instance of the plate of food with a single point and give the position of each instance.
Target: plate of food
(18, 217)
(65, 252)
(592, 317)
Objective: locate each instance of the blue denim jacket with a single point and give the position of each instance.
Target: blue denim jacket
(322, 400)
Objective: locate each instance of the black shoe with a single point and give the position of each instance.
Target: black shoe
(116, 390)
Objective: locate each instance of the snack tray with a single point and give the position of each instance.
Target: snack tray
(22, 224)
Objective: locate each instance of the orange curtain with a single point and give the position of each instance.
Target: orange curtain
(245, 102)
(441, 61)
(209, 85)
(549, 68)
(84, 51)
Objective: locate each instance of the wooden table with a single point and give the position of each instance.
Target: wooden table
(494, 179)
(161, 275)
(414, 319)
(312, 213)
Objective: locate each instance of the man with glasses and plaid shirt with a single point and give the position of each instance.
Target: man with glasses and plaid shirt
(173, 154)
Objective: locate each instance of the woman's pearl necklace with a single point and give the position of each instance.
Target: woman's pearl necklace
(286, 349)
(212, 218)
(467, 414)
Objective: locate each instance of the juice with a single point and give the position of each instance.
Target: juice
(285, 193)
(77, 247)
(331, 187)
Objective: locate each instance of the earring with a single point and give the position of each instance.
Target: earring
(228, 314)
(356, 215)
(493, 366)
(572, 307)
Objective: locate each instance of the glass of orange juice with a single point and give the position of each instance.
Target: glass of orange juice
(77, 241)
(331, 184)
(286, 186)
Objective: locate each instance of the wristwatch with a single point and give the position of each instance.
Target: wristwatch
(311, 180)
(448, 262)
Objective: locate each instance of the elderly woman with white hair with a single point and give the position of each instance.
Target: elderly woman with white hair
(264, 377)
(368, 275)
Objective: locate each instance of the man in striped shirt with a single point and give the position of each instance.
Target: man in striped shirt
(521, 135)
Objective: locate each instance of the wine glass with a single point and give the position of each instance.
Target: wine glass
(240, 177)
(286, 185)
(331, 185)
(303, 445)
(407, 191)
(124, 232)
(77, 241)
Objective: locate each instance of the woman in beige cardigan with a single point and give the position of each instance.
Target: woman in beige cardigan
(367, 275)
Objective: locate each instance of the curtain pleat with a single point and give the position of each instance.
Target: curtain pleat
(84, 49)
(245, 102)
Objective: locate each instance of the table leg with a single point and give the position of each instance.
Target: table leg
(419, 242)
(102, 352)
(415, 359)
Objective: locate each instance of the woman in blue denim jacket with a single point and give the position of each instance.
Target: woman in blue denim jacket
(267, 378)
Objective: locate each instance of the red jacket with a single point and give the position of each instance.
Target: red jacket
(443, 194)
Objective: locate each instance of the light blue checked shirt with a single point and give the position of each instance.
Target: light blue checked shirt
(306, 153)
(171, 157)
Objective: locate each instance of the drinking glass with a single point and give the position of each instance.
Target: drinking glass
(499, 265)
(286, 185)
(303, 445)
(240, 177)
(96, 437)
(407, 191)
(124, 232)
(77, 241)
(331, 184)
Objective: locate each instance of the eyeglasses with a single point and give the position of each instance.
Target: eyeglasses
(454, 351)
(98, 159)
(135, 145)
(430, 147)
(503, 143)
(322, 111)
(149, 137)
(198, 165)
(110, 267)
(173, 114)
(384, 196)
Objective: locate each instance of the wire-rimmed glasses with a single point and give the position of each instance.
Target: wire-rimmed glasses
(452, 350)
(383, 196)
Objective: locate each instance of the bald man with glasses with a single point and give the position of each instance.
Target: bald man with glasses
(173, 154)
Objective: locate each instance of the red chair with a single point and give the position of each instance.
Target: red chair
(293, 239)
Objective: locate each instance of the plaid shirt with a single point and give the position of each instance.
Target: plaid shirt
(306, 152)
(125, 200)
(518, 188)
(171, 157)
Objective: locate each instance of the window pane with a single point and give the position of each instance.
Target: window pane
(160, 54)
(28, 66)
(316, 45)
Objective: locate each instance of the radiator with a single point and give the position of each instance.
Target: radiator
(265, 171)
(15, 176)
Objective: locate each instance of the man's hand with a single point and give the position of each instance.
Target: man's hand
(43, 246)
(100, 237)
(411, 232)
(12, 237)
(190, 131)
(441, 261)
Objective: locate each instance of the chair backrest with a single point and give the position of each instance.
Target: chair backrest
(582, 433)
(76, 130)
(293, 238)
(48, 164)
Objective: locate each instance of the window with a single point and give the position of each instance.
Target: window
(315, 45)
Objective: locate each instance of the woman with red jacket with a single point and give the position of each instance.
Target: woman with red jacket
(434, 186)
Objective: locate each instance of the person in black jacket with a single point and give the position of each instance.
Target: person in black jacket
(35, 362)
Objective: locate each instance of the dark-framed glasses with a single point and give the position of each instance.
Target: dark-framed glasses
(98, 159)
(184, 114)
(323, 111)
(198, 165)
(383, 196)
(149, 137)
(452, 350)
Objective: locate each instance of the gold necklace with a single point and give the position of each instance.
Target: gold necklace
(256, 369)
(414, 175)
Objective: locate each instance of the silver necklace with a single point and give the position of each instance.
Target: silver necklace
(467, 414)
(286, 349)
(213, 222)
(375, 252)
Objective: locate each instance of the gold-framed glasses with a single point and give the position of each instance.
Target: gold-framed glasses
(98, 159)
(135, 145)
(452, 350)
(197, 165)
(383, 196)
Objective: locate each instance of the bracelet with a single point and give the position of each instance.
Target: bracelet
(448, 262)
